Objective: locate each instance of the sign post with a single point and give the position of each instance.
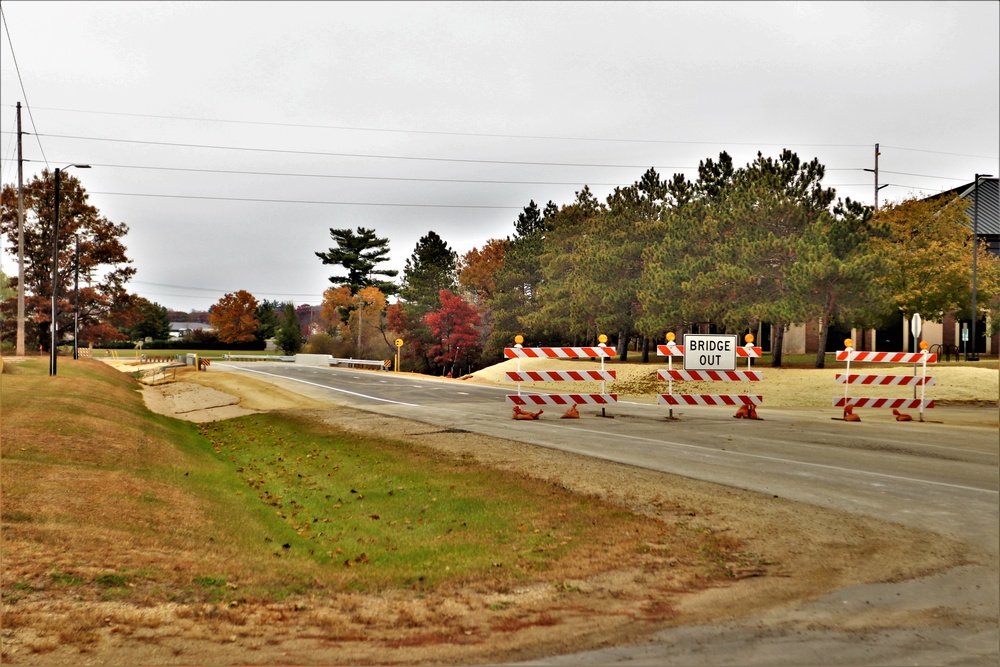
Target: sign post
(915, 325)
(399, 344)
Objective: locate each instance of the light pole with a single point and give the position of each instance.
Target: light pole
(55, 268)
(975, 248)
(76, 299)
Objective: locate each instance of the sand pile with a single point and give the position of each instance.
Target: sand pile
(791, 387)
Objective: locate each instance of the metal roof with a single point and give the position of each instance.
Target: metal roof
(988, 221)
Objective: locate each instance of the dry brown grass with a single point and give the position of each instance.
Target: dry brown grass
(112, 537)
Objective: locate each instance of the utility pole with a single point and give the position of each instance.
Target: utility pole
(876, 177)
(19, 350)
(875, 171)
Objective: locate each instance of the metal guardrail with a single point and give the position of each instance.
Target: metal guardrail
(352, 363)
(333, 361)
(256, 357)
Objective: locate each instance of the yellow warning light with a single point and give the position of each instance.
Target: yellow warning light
(519, 339)
(848, 342)
(670, 336)
(748, 338)
(924, 345)
(602, 338)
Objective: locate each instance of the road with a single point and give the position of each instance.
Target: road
(940, 477)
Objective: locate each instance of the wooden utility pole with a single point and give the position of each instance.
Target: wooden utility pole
(875, 171)
(19, 350)
(876, 178)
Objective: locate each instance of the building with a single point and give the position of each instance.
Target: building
(986, 224)
(182, 329)
(944, 337)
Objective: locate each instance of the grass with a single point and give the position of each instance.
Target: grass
(385, 514)
(133, 354)
(121, 523)
(101, 496)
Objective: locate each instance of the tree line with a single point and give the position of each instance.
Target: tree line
(733, 250)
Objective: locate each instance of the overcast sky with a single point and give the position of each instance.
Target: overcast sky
(231, 136)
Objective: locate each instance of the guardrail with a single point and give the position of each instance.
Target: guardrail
(352, 363)
(315, 359)
(256, 357)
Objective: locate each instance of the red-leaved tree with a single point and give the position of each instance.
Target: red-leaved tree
(454, 331)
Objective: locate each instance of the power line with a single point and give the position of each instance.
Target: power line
(904, 173)
(217, 291)
(305, 201)
(922, 150)
(501, 136)
(20, 82)
(356, 155)
(449, 133)
(352, 177)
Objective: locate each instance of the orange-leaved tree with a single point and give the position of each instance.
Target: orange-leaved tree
(477, 268)
(234, 318)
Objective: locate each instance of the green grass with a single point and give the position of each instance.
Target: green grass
(132, 355)
(397, 515)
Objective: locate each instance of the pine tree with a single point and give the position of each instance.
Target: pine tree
(359, 254)
(289, 338)
(430, 269)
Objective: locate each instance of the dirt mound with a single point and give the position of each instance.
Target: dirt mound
(781, 387)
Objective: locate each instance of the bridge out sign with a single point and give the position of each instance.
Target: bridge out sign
(710, 352)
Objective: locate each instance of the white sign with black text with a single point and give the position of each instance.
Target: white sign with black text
(710, 352)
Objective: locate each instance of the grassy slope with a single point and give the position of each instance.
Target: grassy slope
(104, 500)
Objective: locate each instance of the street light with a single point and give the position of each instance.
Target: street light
(55, 268)
(76, 299)
(975, 247)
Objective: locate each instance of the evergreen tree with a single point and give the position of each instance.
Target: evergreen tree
(268, 318)
(359, 254)
(837, 275)
(430, 269)
(517, 282)
(728, 248)
(289, 338)
(154, 323)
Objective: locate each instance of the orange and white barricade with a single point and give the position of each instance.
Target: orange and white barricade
(535, 399)
(748, 402)
(922, 358)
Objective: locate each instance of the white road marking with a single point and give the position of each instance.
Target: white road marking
(322, 386)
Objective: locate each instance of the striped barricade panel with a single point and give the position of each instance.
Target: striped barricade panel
(886, 380)
(886, 357)
(709, 399)
(714, 376)
(563, 399)
(560, 376)
(859, 402)
(678, 351)
(557, 352)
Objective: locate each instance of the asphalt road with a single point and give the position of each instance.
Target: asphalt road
(941, 477)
